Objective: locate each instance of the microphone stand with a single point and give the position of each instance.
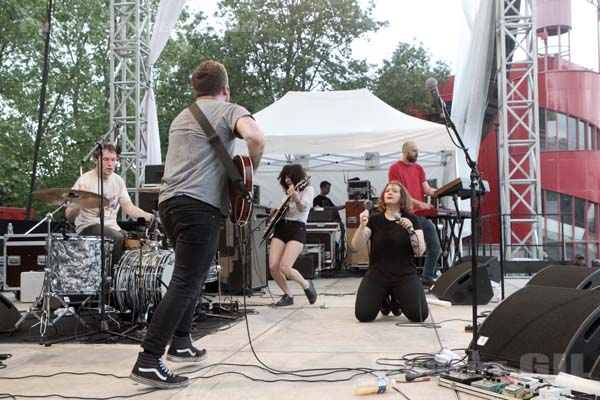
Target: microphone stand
(103, 328)
(476, 181)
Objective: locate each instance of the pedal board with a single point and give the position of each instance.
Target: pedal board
(226, 308)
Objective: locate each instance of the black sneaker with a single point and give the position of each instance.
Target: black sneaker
(152, 371)
(182, 350)
(427, 284)
(285, 300)
(385, 306)
(311, 293)
(394, 306)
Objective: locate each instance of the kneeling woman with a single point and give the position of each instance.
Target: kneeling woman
(396, 238)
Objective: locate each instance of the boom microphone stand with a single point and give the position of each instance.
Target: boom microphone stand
(103, 327)
(476, 183)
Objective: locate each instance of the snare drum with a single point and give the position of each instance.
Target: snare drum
(133, 241)
(76, 264)
(139, 285)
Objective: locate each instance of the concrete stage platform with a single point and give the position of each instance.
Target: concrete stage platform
(302, 336)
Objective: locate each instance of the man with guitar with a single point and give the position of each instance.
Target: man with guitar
(288, 226)
(193, 199)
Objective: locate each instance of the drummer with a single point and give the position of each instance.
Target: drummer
(87, 220)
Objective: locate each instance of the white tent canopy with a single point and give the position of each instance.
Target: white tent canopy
(342, 134)
(343, 122)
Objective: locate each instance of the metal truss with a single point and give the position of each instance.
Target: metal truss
(129, 82)
(519, 145)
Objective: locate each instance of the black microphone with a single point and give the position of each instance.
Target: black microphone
(261, 216)
(118, 146)
(397, 217)
(431, 85)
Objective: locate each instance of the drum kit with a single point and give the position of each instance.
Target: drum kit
(135, 286)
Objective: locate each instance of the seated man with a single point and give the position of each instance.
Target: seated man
(87, 220)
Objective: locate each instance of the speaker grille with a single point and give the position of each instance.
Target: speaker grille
(545, 329)
(567, 276)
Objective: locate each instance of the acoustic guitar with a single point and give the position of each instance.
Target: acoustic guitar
(240, 208)
(300, 186)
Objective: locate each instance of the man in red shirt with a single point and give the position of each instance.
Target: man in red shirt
(410, 174)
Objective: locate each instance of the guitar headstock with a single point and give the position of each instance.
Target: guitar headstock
(300, 186)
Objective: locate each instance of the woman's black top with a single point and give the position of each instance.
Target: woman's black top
(391, 255)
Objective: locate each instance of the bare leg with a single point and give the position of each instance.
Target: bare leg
(290, 254)
(276, 251)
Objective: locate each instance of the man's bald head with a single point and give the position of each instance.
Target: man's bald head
(410, 152)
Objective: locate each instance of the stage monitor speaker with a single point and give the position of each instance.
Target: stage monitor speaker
(546, 330)
(492, 264)
(9, 315)
(456, 285)
(567, 276)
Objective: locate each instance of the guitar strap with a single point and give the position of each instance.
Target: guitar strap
(219, 148)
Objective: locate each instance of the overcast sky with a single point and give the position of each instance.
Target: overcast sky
(438, 24)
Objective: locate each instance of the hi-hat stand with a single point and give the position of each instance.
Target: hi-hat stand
(41, 308)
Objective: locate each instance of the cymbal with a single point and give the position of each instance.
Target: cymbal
(72, 198)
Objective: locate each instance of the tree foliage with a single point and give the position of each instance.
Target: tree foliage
(401, 80)
(76, 107)
(283, 45)
(268, 46)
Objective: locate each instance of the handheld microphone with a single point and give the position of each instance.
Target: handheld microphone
(397, 217)
(431, 85)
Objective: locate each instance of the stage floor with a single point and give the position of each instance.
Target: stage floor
(302, 336)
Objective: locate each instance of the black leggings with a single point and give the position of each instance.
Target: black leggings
(408, 292)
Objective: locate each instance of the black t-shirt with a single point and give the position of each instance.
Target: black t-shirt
(322, 201)
(391, 255)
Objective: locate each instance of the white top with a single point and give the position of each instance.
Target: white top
(114, 190)
(306, 197)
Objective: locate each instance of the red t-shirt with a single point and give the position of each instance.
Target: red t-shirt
(411, 176)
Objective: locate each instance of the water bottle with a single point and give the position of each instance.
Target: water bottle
(9, 229)
(372, 385)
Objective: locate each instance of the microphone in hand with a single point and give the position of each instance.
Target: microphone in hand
(397, 217)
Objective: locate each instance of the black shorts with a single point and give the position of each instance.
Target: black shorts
(290, 230)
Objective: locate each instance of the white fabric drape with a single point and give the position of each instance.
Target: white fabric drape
(474, 67)
(469, 99)
(166, 18)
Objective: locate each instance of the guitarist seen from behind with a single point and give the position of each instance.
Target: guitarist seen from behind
(193, 200)
(290, 233)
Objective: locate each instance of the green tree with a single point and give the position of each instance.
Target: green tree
(283, 45)
(77, 93)
(401, 80)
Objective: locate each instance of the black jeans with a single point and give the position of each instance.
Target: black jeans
(407, 291)
(193, 228)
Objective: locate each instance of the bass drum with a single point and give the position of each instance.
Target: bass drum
(141, 285)
(138, 287)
